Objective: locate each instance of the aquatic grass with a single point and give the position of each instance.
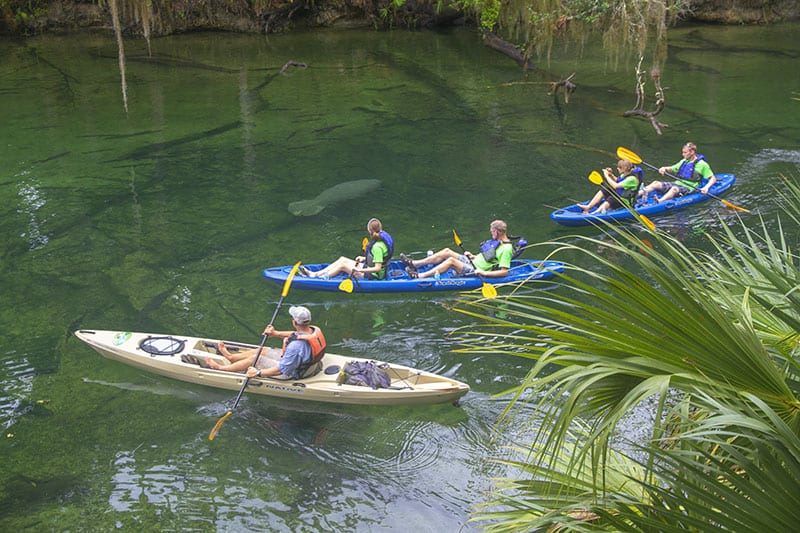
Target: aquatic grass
(705, 341)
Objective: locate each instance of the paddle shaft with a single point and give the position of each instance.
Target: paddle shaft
(258, 355)
(463, 251)
(597, 179)
(284, 292)
(633, 157)
(673, 176)
(486, 289)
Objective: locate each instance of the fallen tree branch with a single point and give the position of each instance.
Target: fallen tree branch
(638, 109)
(292, 64)
(568, 86)
(504, 47)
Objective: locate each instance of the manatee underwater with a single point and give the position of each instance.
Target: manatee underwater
(338, 193)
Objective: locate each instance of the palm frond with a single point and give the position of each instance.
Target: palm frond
(706, 341)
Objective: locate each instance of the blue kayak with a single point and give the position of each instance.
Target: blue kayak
(399, 281)
(574, 216)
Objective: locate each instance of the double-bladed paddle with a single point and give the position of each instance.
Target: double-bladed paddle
(284, 292)
(633, 157)
(347, 284)
(597, 179)
(487, 289)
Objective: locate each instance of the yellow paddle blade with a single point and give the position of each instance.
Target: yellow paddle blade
(456, 238)
(488, 290)
(734, 206)
(218, 425)
(624, 153)
(288, 282)
(364, 244)
(346, 285)
(647, 222)
(596, 178)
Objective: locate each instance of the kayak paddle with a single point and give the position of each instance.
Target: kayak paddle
(347, 284)
(284, 292)
(487, 290)
(597, 179)
(633, 157)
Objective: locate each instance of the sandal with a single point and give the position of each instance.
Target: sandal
(411, 270)
(304, 271)
(190, 359)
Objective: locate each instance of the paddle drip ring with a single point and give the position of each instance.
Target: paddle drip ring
(162, 345)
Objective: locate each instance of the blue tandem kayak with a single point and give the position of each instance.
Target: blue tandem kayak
(574, 216)
(399, 281)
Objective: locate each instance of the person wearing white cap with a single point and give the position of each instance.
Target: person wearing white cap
(301, 357)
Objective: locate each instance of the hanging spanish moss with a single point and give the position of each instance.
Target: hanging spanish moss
(121, 50)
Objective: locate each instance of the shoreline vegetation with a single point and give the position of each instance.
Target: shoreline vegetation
(148, 18)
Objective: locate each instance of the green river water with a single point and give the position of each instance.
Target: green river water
(162, 219)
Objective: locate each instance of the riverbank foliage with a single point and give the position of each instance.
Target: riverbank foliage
(664, 388)
(635, 28)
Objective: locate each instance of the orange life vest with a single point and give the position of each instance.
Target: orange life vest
(315, 339)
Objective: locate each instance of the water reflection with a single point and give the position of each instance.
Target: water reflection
(31, 201)
(16, 378)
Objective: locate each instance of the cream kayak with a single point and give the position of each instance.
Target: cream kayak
(169, 355)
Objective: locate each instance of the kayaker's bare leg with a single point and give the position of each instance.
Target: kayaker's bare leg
(656, 186)
(596, 199)
(443, 267)
(343, 264)
(236, 356)
(237, 366)
(440, 256)
(670, 194)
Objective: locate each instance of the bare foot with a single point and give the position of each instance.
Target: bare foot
(213, 364)
(223, 350)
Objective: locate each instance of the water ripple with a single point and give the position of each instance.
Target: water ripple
(16, 381)
(31, 201)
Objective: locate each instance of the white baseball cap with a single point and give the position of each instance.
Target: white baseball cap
(300, 314)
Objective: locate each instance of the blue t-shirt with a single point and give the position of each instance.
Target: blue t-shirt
(297, 353)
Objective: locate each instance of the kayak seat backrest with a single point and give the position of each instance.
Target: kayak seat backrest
(519, 245)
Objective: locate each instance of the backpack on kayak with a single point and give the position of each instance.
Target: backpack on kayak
(365, 374)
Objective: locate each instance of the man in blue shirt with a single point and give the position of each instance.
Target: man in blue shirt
(303, 349)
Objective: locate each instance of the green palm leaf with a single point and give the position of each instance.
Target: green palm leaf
(703, 341)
